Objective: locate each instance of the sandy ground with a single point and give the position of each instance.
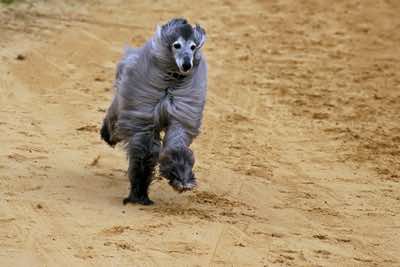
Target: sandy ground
(298, 162)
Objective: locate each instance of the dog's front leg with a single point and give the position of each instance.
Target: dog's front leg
(176, 158)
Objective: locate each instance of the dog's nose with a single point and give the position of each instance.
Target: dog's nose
(186, 64)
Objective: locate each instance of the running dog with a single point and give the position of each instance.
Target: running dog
(159, 88)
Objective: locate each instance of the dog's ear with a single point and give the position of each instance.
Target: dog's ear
(199, 35)
(159, 32)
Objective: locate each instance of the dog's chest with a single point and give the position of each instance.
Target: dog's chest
(165, 108)
(179, 102)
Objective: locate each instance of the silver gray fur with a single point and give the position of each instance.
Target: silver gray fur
(153, 94)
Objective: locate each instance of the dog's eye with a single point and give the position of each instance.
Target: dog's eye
(177, 45)
(193, 47)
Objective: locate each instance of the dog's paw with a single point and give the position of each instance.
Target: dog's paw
(180, 187)
(143, 200)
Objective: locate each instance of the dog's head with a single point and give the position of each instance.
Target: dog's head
(177, 167)
(183, 42)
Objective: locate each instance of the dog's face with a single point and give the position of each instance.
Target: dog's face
(183, 52)
(183, 41)
(177, 167)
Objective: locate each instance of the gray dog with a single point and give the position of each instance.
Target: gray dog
(160, 88)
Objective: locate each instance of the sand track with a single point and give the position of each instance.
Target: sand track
(298, 162)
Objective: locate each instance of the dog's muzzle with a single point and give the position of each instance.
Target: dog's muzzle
(187, 64)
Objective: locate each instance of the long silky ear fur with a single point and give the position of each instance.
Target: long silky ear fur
(158, 42)
(199, 35)
(159, 32)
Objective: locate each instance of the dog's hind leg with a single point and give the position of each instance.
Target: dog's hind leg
(107, 131)
(143, 151)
